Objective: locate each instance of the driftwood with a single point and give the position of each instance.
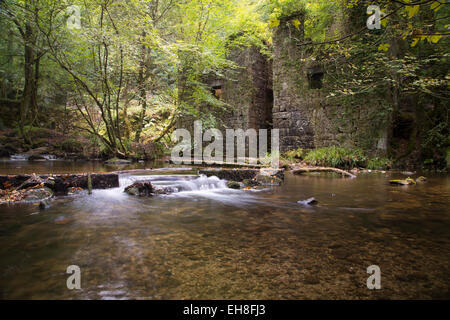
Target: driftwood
(322, 169)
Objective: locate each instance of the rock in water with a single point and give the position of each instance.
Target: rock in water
(406, 182)
(233, 185)
(421, 179)
(118, 161)
(140, 188)
(308, 202)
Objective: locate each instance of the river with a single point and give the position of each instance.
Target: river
(210, 242)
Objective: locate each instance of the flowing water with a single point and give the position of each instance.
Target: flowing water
(208, 242)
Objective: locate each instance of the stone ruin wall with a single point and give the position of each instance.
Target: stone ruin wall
(263, 94)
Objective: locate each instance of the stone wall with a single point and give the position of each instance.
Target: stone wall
(248, 90)
(290, 92)
(291, 100)
(303, 113)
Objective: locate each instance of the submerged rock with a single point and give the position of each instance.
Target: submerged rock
(421, 179)
(308, 202)
(233, 185)
(118, 161)
(405, 182)
(140, 188)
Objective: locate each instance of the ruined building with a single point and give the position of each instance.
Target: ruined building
(289, 93)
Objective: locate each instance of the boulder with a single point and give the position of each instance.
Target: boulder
(233, 185)
(140, 188)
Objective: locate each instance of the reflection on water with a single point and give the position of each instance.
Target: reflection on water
(21, 165)
(210, 242)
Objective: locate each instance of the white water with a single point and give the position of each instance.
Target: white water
(178, 183)
(182, 187)
(24, 157)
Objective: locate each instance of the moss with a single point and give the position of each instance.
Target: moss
(233, 185)
(336, 157)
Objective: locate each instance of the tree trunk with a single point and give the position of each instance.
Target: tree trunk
(29, 94)
(142, 91)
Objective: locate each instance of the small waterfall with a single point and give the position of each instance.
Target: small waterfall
(20, 157)
(49, 157)
(24, 157)
(202, 183)
(178, 183)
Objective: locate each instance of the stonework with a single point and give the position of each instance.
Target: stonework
(289, 94)
(248, 91)
(290, 114)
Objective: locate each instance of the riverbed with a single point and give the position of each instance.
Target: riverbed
(210, 242)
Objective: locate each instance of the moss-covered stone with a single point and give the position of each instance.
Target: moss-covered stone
(233, 185)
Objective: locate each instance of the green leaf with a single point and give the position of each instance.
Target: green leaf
(412, 10)
(435, 37)
(296, 23)
(274, 23)
(384, 47)
(435, 6)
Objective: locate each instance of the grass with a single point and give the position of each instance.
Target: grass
(336, 157)
(379, 163)
(298, 153)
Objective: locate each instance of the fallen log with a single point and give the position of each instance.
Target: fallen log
(322, 169)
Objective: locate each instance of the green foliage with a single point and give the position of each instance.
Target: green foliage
(298, 153)
(336, 157)
(71, 145)
(378, 163)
